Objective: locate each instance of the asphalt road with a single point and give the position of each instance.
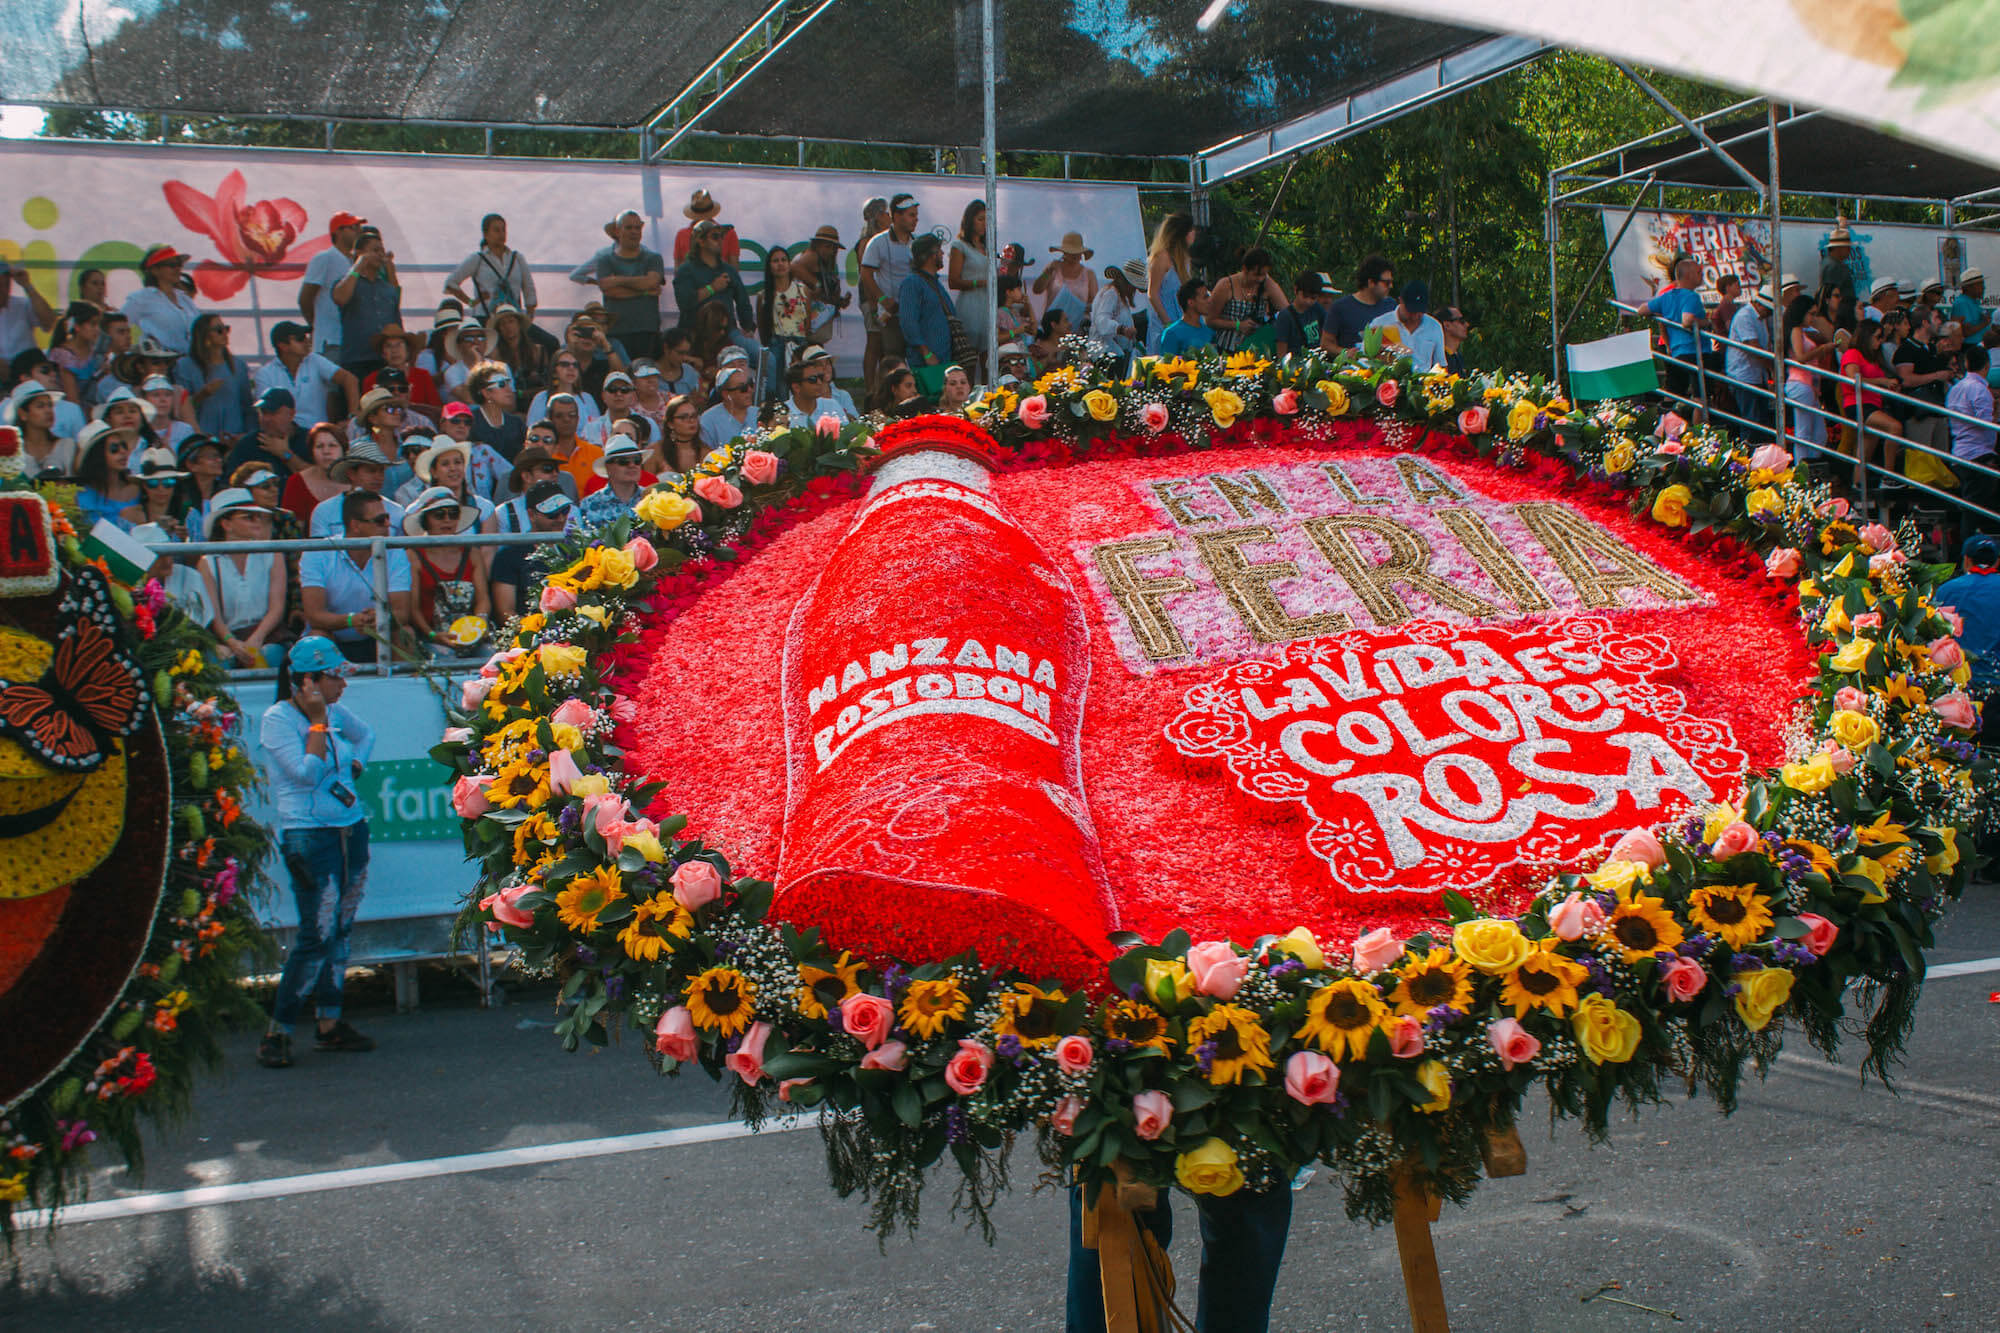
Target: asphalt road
(1820, 1205)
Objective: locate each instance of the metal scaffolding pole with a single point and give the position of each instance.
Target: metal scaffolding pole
(1777, 325)
(988, 143)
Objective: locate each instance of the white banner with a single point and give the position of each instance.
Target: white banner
(1725, 244)
(263, 213)
(1924, 71)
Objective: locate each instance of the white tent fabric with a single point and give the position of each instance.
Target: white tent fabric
(1925, 69)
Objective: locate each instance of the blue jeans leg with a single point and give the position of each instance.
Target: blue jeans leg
(1242, 1245)
(329, 873)
(1085, 1307)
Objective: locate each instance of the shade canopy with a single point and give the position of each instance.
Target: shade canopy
(1822, 155)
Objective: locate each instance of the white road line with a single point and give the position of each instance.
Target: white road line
(139, 1205)
(1977, 965)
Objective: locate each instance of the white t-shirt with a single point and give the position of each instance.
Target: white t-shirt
(308, 387)
(587, 409)
(168, 316)
(890, 258)
(1425, 343)
(17, 322)
(326, 268)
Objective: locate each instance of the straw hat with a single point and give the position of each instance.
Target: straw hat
(1132, 270)
(233, 500)
(411, 339)
(159, 462)
(437, 449)
(373, 401)
(1072, 244)
(24, 392)
(1970, 275)
(700, 205)
(124, 394)
(363, 450)
(432, 499)
(619, 446)
(829, 232)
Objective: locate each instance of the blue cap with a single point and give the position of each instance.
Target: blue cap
(315, 652)
(1982, 553)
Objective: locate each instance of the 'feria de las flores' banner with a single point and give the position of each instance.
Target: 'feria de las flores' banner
(1222, 769)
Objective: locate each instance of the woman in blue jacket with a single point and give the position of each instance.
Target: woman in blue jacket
(926, 312)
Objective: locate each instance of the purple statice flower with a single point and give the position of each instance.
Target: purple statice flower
(1135, 992)
(1008, 1047)
(723, 950)
(1691, 829)
(1116, 1045)
(834, 1020)
(1338, 1106)
(1842, 833)
(586, 955)
(1285, 966)
(538, 756)
(1439, 1017)
(1204, 1056)
(954, 1124)
(1694, 946)
(614, 986)
(1746, 962)
(1600, 975)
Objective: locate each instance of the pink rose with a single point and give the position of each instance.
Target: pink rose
(1771, 458)
(1074, 1055)
(760, 466)
(473, 693)
(1576, 917)
(468, 797)
(1851, 698)
(1639, 845)
(1945, 653)
(1671, 448)
(718, 492)
(1820, 934)
(624, 709)
(506, 910)
(1311, 1079)
(1735, 839)
(1063, 1119)
(673, 1035)
(1885, 561)
(786, 1086)
(556, 598)
(747, 1060)
(573, 712)
(1878, 538)
(1952, 618)
(1868, 620)
(1376, 950)
(456, 735)
(614, 831)
(1956, 710)
(1285, 402)
(1218, 969)
(644, 556)
(1387, 392)
(1834, 508)
(867, 1018)
(1671, 426)
(1152, 1112)
(966, 1072)
(1472, 421)
(1783, 563)
(1514, 1044)
(1841, 759)
(606, 808)
(1406, 1038)
(1154, 417)
(1684, 979)
(891, 1055)
(562, 771)
(499, 659)
(1034, 411)
(696, 884)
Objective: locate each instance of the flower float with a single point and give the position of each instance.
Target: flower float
(1798, 861)
(255, 240)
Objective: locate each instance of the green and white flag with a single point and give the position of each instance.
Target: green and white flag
(128, 559)
(1617, 367)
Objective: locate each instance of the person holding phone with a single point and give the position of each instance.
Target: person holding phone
(315, 751)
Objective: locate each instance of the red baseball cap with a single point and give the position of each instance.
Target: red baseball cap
(162, 254)
(457, 410)
(343, 220)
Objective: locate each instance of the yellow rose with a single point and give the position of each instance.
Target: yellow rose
(1172, 972)
(596, 615)
(1224, 406)
(562, 659)
(665, 510)
(567, 737)
(1617, 876)
(1522, 419)
(1815, 775)
(647, 845)
(1845, 569)
(1760, 994)
(1491, 945)
(1853, 655)
(1209, 1169)
(1852, 729)
(1620, 458)
(1835, 620)
(1607, 1033)
(616, 567)
(1947, 860)
(1671, 506)
(590, 784)
(1876, 873)
(1763, 500)
(1434, 1076)
(1301, 945)
(1101, 405)
(1336, 397)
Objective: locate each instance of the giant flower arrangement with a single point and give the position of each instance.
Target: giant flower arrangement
(153, 939)
(1225, 1063)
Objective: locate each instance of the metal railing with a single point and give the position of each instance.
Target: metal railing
(1782, 364)
(377, 548)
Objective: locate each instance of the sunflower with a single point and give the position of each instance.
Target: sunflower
(1029, 1015)
(578, 905)
(1238, 1041)
(1245, 363)
(928, 1005)
(1061, 379)
(510, 744)
(722, 1000)
(1641, 926)
(1139, 1025)
(1544, 980)
(653, 920)
(520, 785)
(530, 837)
(1340, 1018)
(1436, 978)
(1901, 690)
(821, 989)
(1736, 913)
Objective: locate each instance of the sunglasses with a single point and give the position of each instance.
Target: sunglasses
(370, 520)
(623, 460)
(617, 388)
(157, 483)
(816, 379)
(567, 365)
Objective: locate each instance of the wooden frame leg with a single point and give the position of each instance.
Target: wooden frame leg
(1416, 1209)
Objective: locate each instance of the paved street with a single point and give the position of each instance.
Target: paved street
(1818, 1205)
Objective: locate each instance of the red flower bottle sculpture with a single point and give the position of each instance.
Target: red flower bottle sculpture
(934, 683)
